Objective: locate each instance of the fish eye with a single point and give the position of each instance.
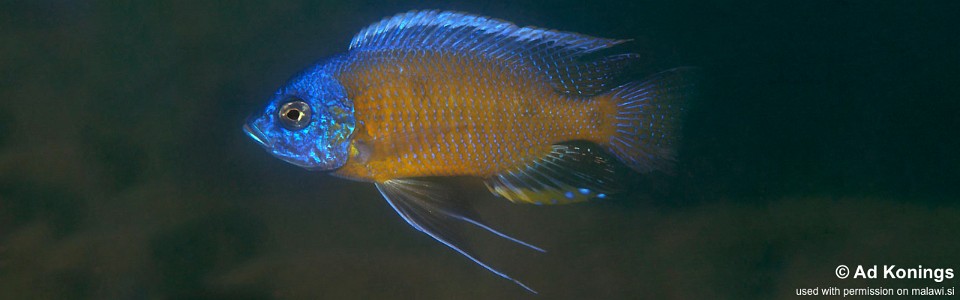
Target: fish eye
(295, 115)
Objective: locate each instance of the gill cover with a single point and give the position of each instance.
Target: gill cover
(309, 121)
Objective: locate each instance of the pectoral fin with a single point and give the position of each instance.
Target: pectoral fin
(429, 208)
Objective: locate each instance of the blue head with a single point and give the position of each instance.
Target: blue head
(308, 122)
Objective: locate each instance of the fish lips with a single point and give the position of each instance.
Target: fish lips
(257, 135)
(254, 133)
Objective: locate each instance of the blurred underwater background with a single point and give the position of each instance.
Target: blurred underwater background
(827, 134)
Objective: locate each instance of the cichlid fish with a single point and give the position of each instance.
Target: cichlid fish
(432, 93)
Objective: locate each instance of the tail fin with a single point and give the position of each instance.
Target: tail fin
(648, 119)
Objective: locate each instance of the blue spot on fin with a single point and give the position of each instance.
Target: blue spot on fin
(551, 52)
(430, 209)
(568, 174)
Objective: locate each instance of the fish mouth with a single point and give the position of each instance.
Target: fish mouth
(254, 133)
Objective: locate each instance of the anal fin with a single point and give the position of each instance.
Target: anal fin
(568, 174)
(429, 208)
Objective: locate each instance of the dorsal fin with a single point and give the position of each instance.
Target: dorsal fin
(553, 53)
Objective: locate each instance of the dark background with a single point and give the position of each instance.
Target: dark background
(827, 135)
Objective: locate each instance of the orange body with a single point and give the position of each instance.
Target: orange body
(433, 93)
(440, 114)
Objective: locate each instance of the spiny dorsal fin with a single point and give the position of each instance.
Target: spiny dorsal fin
(553, 53)
(568, 174)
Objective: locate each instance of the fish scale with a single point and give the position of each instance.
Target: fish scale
(434, 93)
(460, 83)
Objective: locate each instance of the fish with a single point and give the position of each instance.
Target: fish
(540, 116)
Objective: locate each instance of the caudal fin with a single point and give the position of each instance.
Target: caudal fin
(648, 119)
